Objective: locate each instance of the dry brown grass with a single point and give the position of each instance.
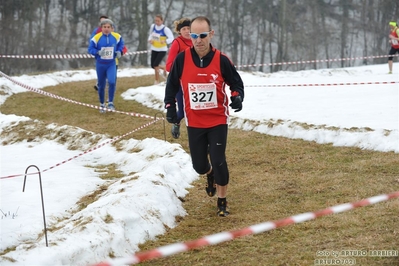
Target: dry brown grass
(271, 178)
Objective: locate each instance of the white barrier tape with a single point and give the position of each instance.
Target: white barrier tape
(172, 249)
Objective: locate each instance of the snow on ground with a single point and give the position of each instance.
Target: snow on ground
(139, 206)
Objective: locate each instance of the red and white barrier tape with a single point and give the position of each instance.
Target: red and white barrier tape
(103, 144)
(61, 56)
(72, 56)
(69, 100)
(79, 103)
(147, 116)
(172, 249)
(317, 61)
(89, 150)
(48, 56)
(325, 84)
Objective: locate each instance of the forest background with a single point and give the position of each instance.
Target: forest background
(253, 33)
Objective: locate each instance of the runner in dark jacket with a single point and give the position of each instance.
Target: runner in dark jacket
(203, 72)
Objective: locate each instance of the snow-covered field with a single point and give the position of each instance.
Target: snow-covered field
(138, 206)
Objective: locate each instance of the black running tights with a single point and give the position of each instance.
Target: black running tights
(216, 138)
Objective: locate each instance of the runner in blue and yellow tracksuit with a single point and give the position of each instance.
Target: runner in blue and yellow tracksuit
(106, 46)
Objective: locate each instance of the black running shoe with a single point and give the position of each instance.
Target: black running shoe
(222, 212)
(175, 131)
(210, 186)
(96, 87)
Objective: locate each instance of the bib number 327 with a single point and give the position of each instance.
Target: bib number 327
(202, 96)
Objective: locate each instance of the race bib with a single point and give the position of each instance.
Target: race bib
(202, 96)
(156, 37)
(394, 42)
(109, 53)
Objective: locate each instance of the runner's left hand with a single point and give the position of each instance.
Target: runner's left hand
(236, 103)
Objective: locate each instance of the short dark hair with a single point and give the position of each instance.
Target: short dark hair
(202, 18)
(103, 16)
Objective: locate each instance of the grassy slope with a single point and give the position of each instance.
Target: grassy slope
(271, 178)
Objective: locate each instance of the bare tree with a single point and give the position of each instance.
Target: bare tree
(322, 9)
(280, 34)
(143, 27)
(250, 32)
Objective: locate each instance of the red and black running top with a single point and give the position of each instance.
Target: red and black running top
(203, 82)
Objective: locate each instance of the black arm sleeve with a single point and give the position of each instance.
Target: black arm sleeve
(173, 82)
(231, 76)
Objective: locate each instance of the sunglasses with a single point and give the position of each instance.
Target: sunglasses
(201, 35)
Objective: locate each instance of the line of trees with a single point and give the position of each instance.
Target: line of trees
(251, 32)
